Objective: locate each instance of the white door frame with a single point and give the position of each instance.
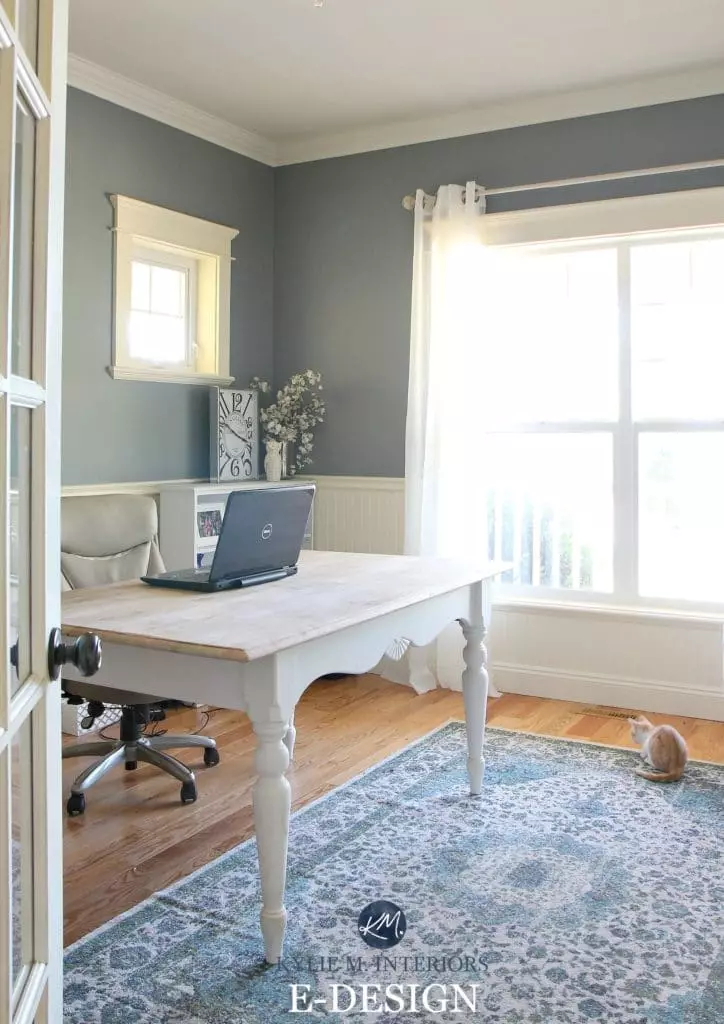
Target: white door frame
(34, 991)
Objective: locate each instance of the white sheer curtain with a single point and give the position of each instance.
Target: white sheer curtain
(445, 485)
(442, 485)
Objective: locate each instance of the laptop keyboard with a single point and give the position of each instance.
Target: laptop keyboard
(189, 574)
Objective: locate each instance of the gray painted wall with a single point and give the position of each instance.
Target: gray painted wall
(322, 267)
(343, 249)
(116, 430)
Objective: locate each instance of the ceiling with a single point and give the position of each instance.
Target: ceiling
(289, 71)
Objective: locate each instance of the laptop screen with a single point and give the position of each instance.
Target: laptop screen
(263, 530)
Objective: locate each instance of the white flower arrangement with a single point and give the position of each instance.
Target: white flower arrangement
(299, 407)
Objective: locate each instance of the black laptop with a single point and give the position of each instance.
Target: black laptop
(260, 539)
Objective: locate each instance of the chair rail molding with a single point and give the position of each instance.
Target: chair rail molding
(150, 487)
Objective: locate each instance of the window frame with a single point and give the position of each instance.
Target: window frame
(618, 223)
(181, 241)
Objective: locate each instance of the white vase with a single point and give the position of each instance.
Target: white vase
(273, 461)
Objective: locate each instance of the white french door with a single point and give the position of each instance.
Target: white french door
(33, 59)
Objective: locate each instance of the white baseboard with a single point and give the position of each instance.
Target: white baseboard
(632, 694)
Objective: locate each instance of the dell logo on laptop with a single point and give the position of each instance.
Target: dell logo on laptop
(266, 532)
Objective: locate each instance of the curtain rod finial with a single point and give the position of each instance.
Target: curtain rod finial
(409, 202)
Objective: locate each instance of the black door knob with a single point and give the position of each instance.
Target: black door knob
(85, 652)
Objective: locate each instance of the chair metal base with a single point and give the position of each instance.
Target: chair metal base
(149, 749)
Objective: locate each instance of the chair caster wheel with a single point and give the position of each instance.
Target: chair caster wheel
(188, 793)
(75, 805)
(211, 756)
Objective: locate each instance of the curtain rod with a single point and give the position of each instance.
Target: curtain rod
(702, 165)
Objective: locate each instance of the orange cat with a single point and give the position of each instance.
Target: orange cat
(662, 747)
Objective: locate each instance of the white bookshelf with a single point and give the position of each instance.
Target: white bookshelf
(181, 537)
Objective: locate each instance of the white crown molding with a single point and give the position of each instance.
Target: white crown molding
(643, 92)
(108, 85)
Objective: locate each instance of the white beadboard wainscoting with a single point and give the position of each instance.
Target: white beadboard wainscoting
(351, 513)
(360, 513)
(647, 661)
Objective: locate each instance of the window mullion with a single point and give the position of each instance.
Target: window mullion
(625, 458)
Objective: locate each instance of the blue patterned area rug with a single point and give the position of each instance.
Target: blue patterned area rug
(571, 891)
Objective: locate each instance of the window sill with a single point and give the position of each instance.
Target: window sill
(161, 376)
(702, 617)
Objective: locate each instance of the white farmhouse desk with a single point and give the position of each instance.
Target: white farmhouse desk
(259, 649)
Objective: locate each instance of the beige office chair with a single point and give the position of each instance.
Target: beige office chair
(107, 539)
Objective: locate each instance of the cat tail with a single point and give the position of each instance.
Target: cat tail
(661, 776)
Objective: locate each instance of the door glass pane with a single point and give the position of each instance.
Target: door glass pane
(19, 582)
(23, 242)
(681, 512)
(21, 850)
(550, 508)
(28, 28)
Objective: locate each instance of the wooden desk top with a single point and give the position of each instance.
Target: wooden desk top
(332, 591)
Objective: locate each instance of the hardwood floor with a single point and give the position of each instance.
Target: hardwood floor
(136, 837)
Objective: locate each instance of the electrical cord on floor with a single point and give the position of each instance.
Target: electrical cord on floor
(102, 732)
(208, 714)
(207, 719)
(155, 728)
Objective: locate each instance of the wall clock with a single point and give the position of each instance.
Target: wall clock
(234, 434)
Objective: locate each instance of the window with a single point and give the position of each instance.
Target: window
(604, 424)
(172, 283)
(161, 330)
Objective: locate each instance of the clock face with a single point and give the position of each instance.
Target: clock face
(237, 435)
(237, 430)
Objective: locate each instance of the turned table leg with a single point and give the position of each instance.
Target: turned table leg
(272, 806)
(475, 691)
(291, 738)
